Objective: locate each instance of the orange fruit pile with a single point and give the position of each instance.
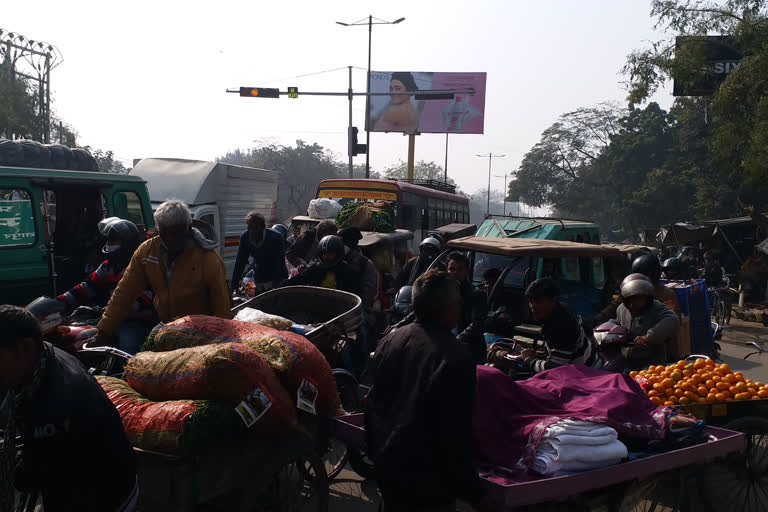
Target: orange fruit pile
(702, 381)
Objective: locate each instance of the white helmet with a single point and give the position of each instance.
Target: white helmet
(431, 242)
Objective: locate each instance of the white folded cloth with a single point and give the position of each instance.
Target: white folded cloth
(570, 446)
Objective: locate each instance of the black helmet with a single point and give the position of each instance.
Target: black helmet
(126, 233)
(672, 266)
(331, 244)
(649, 265)
(404, 300)
(637, 287)
(282, 229)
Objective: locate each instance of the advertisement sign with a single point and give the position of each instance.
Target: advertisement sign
(465, 113)
(714, 57)
(17, 225)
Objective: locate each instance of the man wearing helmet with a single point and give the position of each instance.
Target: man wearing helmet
(672, 269)
(122, 239)
(428, 250)
(649, 266)
(329, 270)
(305, 248)
(266, 250)
(650, 323)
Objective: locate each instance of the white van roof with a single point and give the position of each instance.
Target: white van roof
(191, 181)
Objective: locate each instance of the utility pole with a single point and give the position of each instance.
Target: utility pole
(349, 134)
(445, 169)
(505, 191)
(490, 157)
(411, 154)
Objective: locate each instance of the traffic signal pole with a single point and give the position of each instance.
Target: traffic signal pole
(349, 130)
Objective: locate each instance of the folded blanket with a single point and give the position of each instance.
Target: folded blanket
(583, 440)
(544, 464)
(578, 428)
(582, 453)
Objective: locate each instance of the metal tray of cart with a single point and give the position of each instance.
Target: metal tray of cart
(282, 473)
(335, 313)
(622, 484)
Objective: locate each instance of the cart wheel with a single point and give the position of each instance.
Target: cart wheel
(361, 464)
(302, 486)
(335, 457)
(640, 496)
(740, 481)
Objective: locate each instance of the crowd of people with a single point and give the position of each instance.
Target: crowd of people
(419, 410)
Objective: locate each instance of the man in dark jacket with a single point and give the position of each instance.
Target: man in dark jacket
(66, 422)
(429, 249)
(566, 340)
(419, 410)
(304, 248)
(474, 307)
(267, 250)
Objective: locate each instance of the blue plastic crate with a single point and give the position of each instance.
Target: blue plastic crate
(694, 303)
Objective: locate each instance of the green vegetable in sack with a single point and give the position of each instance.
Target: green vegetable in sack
(345, 213)
(382, 222)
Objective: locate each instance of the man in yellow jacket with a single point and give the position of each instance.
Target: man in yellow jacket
(181, 266)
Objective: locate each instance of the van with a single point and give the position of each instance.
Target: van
(217, 193)
(49, 239)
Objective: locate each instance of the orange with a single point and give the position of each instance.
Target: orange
(652, 393)
(699, 363)
(752, 391)
(680, 364)
(675, 376)
(684, 401)
(724, 367)
(658, 387)
(656, 401)
(681, 392)
(711, 397)
(738, 375)
(734, 390)
(673, 399)
(687, 373)
(665, 374)
(762, 393)
(690, 395)
(669, 404)
(716, 378)
(726, 394)
(720, 397)
(710, 363)
(755, 398)
(710, 383)
(702, 391)
(667, 383)
(702, 400)
(721, 386)
(730, 379)
(742, 396)
(741, 386)
(696, 378)
(719, 372)
(633, 374)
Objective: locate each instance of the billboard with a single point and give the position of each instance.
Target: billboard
(465, 113)
(712, 59)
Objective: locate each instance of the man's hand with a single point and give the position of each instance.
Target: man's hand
(100, 340)
(527, 354)
(301, 268)
(641, 340)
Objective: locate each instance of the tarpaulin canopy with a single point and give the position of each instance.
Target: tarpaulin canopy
(531, 247)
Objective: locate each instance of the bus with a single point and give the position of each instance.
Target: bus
(418, 207)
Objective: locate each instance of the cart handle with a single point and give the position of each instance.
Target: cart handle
(109, 350)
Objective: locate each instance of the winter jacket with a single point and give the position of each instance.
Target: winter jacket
(268, 259)
(99, 287)
(657, 323)
(196, 283)
(474, 311)
(75, 450)
(367, 277)
(566, 340)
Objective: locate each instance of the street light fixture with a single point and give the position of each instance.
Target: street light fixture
(370, 22)
(490, 157)
(504, 199)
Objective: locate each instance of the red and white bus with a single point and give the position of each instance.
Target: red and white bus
(417, 208)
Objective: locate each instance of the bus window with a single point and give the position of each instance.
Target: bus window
(570, 269)
(598, 272)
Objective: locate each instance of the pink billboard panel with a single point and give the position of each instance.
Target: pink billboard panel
(465, 113)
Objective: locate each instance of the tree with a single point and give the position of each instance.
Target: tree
(107, 162)
(422, 171)
(737, 141)
(300, 168)
(18, 110)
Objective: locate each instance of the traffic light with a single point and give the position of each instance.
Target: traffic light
(259, 92)
(354, 148)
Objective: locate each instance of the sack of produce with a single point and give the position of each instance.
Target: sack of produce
(176, 426)
(292, 357)
(366, 217)
(301, 368)
(256, 316)
(225, 372)
(323, 208)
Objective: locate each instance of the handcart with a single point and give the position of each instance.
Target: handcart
(276, 473)
(334, 317)
(627, 487)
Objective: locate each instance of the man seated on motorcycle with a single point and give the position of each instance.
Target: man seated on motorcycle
(564, 335)
(429, 249)
(122, 239)
(329, 270)
(305, 248)
(649, 266)
(672, 269)
(713, 272)
(75, 453)
(651, 324)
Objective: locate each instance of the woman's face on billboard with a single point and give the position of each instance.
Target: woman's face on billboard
(396, 86)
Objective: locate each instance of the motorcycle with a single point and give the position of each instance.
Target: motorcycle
(65, 331)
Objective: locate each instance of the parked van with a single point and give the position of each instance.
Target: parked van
(217, 193)
(49, 237)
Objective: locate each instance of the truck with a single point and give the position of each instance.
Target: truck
(49, 237)
(217, 193)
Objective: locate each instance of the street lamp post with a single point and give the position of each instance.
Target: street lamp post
(370, 22)
(504, 203)
(490, 157)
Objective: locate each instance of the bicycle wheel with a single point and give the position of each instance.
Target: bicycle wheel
(740, 481)
(335, 456)
(361, 463)
(302, 486)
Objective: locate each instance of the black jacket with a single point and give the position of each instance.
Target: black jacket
(268, 259)
(412, 269)
(346, 278)
(474, 312)
(75, 450)
(419, 417)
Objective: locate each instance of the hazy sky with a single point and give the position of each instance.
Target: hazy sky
(147, 79)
